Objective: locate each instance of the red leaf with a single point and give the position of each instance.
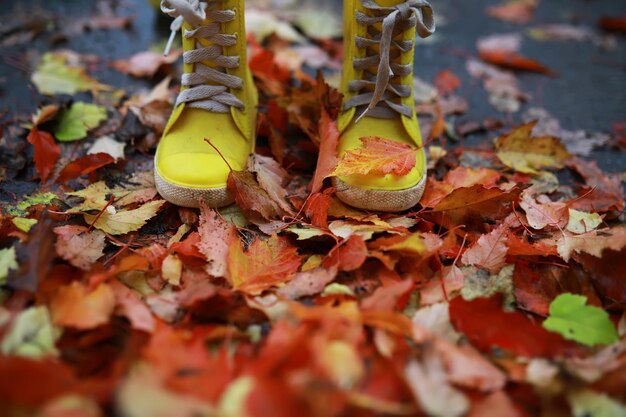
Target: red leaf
(447, 82)
(486, 325)
(19, 376)
(349, 255)
(513, 60)
(47, 152)
(614, 24)
(317, 207)
(379, 156)
(327, 158)
(85, 165)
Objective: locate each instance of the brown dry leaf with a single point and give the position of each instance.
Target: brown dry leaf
(78, 246)
(253, 200)
(271, 177)
(524, 153)
(74, 305)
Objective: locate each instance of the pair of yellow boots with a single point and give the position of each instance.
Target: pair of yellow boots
(218, 101)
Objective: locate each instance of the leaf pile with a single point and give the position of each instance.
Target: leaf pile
(501, 294)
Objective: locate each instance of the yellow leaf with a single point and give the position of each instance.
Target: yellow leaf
(524, 153)
(172, 269)
(125, 221)
(582, 222)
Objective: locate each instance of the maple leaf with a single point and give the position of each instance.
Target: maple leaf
(78, 246)
(379, 156)
(265, 264)
(349, 255)
(124, 221)
(130, 305)
(306, 283)
(85, 165)
(524, 153)
(46, 154)
(216, 236)
(489, 251)
(437, 290)
(75, 306)
(463, 176)
(317, 207)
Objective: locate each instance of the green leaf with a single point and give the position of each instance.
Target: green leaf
(54, 76)
(31, 334)
(24, 224)
(588, 403)
(8, 262)
(21, 209)
(75, 122)
(574, 320)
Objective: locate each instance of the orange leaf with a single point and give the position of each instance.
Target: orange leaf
(85, 165)
(266, 263)
(327, 158)
(74, 306)
(349, 255)
(379, 156)
(513, 60)
(47, 152)
(447, 82)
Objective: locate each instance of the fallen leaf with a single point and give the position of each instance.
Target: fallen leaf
(489, 251)
(145, 64)
(614, 24)
(378, 156)
(542, 212)
(513, 60)
(8, 262)
(172, 269)
(271, 177)
(574, 320)
(130, 305)
(252, 199)
(581, 222)
(216, 237)
(524, 153)
(31, 335)
(263, 265)
(46, 154)
(514, 11)
(593, 242)
(108, 145)
(307, 283)
(124, 221)
(327, 158)
(79, 246)
(75, 122)
(496, 404)
(74, 305)
(83, 166)
(511, 331)
(447, 82)
(54, 76)
(349, 255)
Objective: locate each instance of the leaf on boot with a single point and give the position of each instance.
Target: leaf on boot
(378, 156)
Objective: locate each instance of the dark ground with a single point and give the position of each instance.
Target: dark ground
(588, 93)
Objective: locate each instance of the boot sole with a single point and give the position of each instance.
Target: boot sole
(191, 197)
(379, 200)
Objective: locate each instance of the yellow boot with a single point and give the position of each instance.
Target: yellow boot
(217, 102)
(377, 83)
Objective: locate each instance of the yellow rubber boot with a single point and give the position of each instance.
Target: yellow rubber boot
(217, 102)
(379, 39)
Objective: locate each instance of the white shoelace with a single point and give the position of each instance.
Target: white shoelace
(208, 87)
(396, 19)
